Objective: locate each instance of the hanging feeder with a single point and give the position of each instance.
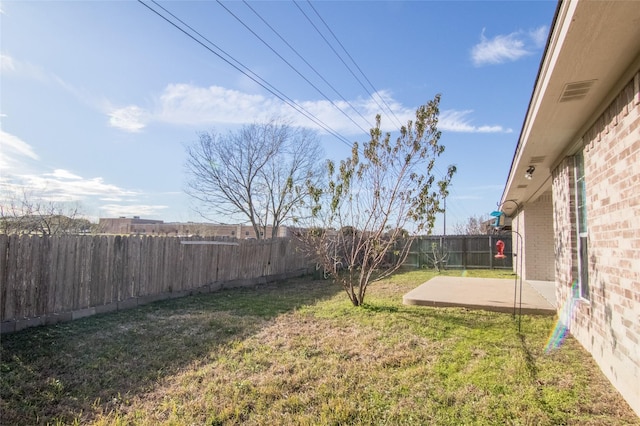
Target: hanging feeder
(499, 221)
(500, 250)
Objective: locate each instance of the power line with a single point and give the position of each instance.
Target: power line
(453, 200)
(398, 122)
(307, 63)
(290, 65)
(343, 61)
(239, 66)
(256, 78)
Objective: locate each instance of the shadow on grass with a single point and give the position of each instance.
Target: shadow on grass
(530, 361)
(380, 308)
(469, 319)
(98, 364)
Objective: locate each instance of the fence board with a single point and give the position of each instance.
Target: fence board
(96, 291)
(133, 277)
(84, 300)
(12, 276)
(41, 275)
(56, 276)
(462, 251)
(25, 262)
(4, 243)
(39, 285)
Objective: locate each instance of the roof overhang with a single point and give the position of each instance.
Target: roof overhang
(591, 48)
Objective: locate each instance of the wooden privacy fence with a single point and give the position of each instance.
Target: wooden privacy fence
(460, 251)
(47, 279)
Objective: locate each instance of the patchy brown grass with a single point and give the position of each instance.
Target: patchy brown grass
(299, 353)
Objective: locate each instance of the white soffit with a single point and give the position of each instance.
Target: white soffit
(591, 46)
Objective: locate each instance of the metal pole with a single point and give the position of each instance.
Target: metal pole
(490, 252)
(520, 241)
(515, 284)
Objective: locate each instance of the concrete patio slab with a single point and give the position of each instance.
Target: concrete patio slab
(547, 289)
(491, 294)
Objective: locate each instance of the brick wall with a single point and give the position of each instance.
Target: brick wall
(564, 228)
(517, 225)
(608, 324)
(536, 227)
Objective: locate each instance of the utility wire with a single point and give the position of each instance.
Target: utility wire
(355, 63)
(290, 65)
(375, 98)
(388, 108)
(307, 63)
(254, 77)
(453, 192)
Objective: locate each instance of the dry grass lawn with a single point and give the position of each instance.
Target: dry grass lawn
(298, 353)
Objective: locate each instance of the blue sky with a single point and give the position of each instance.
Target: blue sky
(98, 99)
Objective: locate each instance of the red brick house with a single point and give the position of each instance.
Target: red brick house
(573, 189)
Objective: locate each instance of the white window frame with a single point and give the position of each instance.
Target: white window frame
(582, 227)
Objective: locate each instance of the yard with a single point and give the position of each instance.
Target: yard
(298, 353)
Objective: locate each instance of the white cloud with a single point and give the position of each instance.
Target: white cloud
(63, 174)
(117, 210)
(507, 48)
(501, 48)
(130, 118)
(11, 65)
(7, 63)
(59, 185)
(458, 121)
(186, 104)
(539, 36)
(27, 70)
(62, 185)
(11, 144)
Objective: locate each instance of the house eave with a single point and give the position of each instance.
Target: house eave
(591, 45)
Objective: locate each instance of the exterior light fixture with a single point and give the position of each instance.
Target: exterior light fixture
(529, 173)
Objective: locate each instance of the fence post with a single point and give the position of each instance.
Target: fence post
(464, 252)
(490, 252)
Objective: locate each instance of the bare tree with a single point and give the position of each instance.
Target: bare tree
(475, 225)
(258, 173)
(32, 215)
(376, 201)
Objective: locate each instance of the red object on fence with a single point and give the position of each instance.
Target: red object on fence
(500, 248)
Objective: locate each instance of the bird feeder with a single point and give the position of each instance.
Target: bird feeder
(498, 215)
(500, 250)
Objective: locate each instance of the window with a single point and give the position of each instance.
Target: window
(581, 219)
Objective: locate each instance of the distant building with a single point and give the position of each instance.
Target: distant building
(496, 225)
(138, 226)
(123, 225)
